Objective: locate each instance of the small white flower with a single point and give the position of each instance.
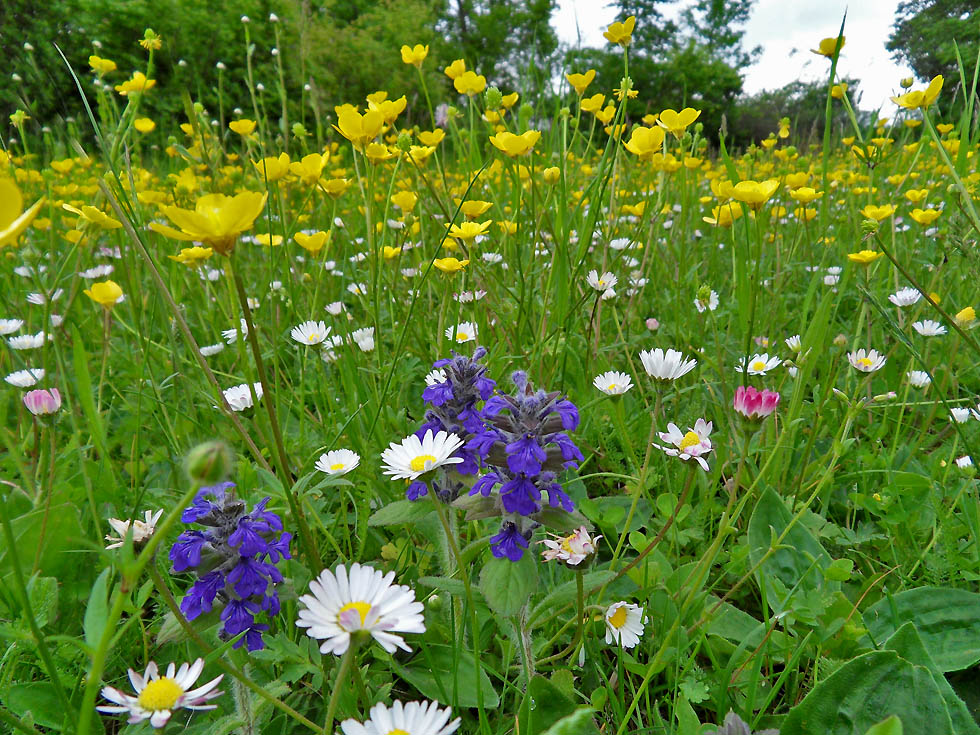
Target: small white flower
(414, 457)
(209, 350)
(27, 341)
(363, 599)
(624, 624)
(413, 718)
(867, 361)
(669, 365)
(710, 305)
(363, 338)
(157, 697)
(25, 378)
(358, 289)
(231, 335)
(464, 332)
(687, 446)
(142, 529)
(905, 297)
(492, 258)
(310, 333)
(760, 364)
(468, 296)
(831, 279)
(572, 549)
(601, 283)
(918, 378)
(240, 398)
(959, 415)
(9, 326)
(98, 271)
(335, 307)
(40, 298)
(929, 328)
(794, 343)
(613, 383)
(338, 462)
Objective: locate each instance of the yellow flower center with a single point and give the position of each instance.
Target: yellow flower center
(612, 386)
(160, 694)
(691, 439)
(864, 362)
(313, 338)
(398, 731)
(462, 336)
(362, 608)
(758, 365)
(337, 466)
(422, 462)
(618, 618)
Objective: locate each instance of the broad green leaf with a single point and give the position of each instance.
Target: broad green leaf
(947, 620)
(543, 705)
(401, 511)
(507, 586)
(97, 610)
(37, 698)
(452, 680)
(891, 726)
(565, 593)
(580, 722)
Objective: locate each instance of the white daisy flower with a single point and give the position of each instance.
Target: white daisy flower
(9, 326)
(25, 378)
(39, 299)
(334, 308)
(609, 293)
(795, 343)
(929, 328)
(467, 297)
(918, 378)
(867, 361)
(209, 350)
(571, 550)
(959, 415)
(831, 279)
(28, 341)
(414, 457)
(56, 319)
(669, 365)
(358, 289)
(435, 377)
(709, 305)
(363, 599)
(601, 283)
(464, 332)
(310, 333)
(98, 271)
(624, 624)
(239, 397)
(231, 335)
(413, 718)
(338, 462)
(142, 529)
(157, 697)
(363, 338)
(760, 364)
(492, 258)
(691, 445)
(905, 297)
(613, 383)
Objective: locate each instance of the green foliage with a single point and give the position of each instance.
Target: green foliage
(926, 33)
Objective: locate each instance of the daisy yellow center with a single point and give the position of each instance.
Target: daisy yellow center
(462, 336)
(337, 466)
(160, 694)
(864, 362)
(618, 618)
(422, 462)
(758, 365)
(691, 439)
(602, 282)
(314, 337)
(363, 608)
(398, 731)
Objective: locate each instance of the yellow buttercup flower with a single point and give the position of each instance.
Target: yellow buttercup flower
(135, 84)
(551, 175)
(101, 66)
(243, 127)
(966, 317)
(268, 239)
(621, 32)
(456, 69)
(13, 221)
(390, 253)
(378, 153)
(93, 216)
(606, 115)
(359, 129)
(755, 193)
(312, 243)
(838, 91)
(473, 208)
(515, 145)
(469, 230)
(405, 200)
(877, 213)
(273, 168)
(677, 122)
(925, 217)
(450, 265)
(309, 169)
(580, 82)
(645, 142)
(920, 98)
(724, 215)
(829, 46)
(415, 55)
(864, 257)
(105, 293)
(389, 109)
(916, 195)
(593, 104)
(216, 220)
(144, 125)
(334, 188)
(432, 137)
(805, 194)
(193, 256)
(470, 83)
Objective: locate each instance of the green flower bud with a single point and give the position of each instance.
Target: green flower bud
(404, 142)
(494, 99)
(299, 131)
(209, 463)
(869, 226)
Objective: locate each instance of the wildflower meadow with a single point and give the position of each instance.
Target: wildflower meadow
(403, 418)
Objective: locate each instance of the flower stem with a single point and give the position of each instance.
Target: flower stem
(345, 664)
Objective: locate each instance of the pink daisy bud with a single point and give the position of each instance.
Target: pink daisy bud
(754, 404)
(43, 402)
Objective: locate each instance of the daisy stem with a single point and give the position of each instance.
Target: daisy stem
(345, 664)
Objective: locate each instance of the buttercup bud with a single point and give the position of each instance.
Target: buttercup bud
(493, 98)
(209, 462)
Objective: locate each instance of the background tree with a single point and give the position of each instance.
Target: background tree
(924, 34)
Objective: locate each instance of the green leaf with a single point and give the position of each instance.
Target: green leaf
(565, 593)
(86, 398)
(580, 722)
(97, 610)
(857, 695)
(947, 620)
(401, 511)
(799, 560)
(687, 721)
(839, 571)
(891, 726)
(436, 672)
(544, 705)
(43, 592)
(507, 586)
(37, 698)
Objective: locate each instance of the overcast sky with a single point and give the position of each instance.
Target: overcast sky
(786, 30)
